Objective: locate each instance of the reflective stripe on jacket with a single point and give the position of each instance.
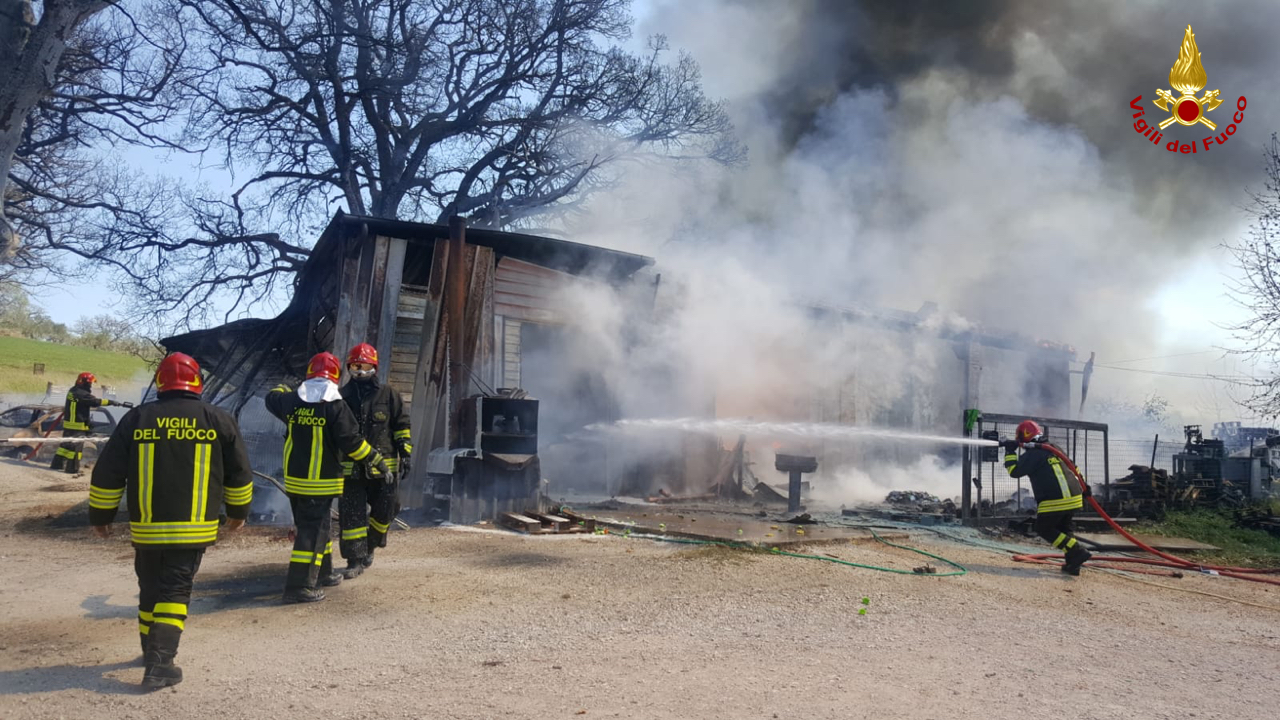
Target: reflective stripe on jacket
(179, 460)
(1056, 488)
(75, 411)
(380, 412)
(319, 435)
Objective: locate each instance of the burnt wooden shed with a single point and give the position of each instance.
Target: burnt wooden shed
(449, 309)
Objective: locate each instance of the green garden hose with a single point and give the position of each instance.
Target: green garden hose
(959, 569)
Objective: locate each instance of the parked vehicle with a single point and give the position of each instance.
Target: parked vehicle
(33, 421)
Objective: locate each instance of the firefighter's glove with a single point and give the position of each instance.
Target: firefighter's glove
(1086, 491)
(377, 466)
(405, 463)
(1009, 445)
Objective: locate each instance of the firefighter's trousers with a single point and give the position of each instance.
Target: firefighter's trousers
(365, 512)
(1055, 527)
(69, 453)
(164, 591)
(312, 556)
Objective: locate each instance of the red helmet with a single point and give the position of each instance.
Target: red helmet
(179, 372)
(86, 378)
(363, 353)
(1028, 431)
(324, 365)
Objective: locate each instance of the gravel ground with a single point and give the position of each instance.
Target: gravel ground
(454, 624)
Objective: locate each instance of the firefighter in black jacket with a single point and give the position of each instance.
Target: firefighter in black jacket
(369, 503)
(75, 422)
(1059, 493)
(321, 431)
(179, 459)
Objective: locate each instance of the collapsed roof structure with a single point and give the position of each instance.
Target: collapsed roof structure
(370, 278)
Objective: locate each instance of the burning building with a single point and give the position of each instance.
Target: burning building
(449, 320)
(520, 311)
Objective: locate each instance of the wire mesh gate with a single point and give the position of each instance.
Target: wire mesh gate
(989, 492)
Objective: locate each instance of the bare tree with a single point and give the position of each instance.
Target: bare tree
(500, 111)
(426, 108)
(31, 53)
(182, 259)
(80, 211)
(1257, 256)
(86, 82)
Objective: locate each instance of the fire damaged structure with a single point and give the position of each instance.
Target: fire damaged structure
(483, 334)
(915, 372)
(461, 318)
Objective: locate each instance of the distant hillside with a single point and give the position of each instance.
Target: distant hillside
(62, 363)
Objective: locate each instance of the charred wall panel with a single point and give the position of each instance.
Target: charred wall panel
(387, 310)
(531, 293)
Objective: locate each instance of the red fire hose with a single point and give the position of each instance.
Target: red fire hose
(39, 445)
(1171, 561)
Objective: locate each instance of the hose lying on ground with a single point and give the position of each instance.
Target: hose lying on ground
(959, 569)
(1172, 561)
(1124, 573)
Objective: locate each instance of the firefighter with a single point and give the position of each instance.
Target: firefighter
(75, 423)
(321, 431)
(1059, 493)
(179, 460)
(369, 503)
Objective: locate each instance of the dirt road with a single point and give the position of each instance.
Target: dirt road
(454, 624)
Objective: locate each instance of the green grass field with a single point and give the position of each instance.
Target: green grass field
(62, 364)
(1240, 546)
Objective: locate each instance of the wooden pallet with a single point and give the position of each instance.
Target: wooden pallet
(535, 523)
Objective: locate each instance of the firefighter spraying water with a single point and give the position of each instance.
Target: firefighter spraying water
(75, 422)
(1059, 491)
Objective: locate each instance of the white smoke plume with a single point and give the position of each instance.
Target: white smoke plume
(852, 485)
(980, 156)
(896, 159)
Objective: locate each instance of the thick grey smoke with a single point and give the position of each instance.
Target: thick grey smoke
(1069, 65)
(978, 155)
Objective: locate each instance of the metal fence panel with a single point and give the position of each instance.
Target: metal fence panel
(999, 495)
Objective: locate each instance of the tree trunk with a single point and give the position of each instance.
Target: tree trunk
(31, 55)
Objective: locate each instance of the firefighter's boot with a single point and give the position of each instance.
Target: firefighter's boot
(354, 568)
(302, 595)
(333, 579)
(159, 670)
(1074, 558)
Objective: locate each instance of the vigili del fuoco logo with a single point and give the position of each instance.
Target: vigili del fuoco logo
(1188, 78)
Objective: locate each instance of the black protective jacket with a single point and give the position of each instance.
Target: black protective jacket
(75, 411)
(380, 412)
(179, 459)
(319, 436)
(1056, 488)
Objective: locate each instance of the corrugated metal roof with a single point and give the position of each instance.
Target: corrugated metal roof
(565, 255)
(530, 292)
